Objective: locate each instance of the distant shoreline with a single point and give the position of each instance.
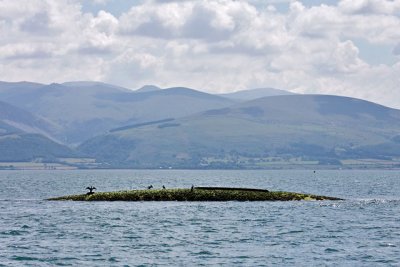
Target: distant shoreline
(294, 168)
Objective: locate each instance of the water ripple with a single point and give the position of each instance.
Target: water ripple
(361, 231)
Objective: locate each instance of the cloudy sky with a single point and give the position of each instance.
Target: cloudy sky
(348, 47)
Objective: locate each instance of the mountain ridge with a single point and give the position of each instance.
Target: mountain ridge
(25, 137)
(186, 128)
(250, 94)
(86, 109)
(257, 130)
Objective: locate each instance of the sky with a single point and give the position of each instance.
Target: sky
(347, 47)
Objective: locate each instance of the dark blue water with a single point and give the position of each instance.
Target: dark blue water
(364, 230)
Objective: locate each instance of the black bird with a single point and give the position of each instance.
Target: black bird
(150, 187)
(163, 187)
(192, 188)
(90, 188)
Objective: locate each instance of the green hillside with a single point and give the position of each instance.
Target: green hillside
(28, 147)
(183, 128)
(14, 119)
(304, 129)
(82, 110)
(25, 137)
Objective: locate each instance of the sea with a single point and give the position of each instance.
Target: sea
(362, 230)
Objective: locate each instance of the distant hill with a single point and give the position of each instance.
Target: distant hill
(23, 137)
(184, 128)
(19, 93)
(148, 88)
(95, 86)
(19, 85)
(86, 109)
(309, 128)
(15, 120)
(252, 94)
(18, 147)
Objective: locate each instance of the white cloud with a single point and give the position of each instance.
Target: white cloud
(208, 20)
(25, 50)
(212, 45)
(370, 6)
(101, 2)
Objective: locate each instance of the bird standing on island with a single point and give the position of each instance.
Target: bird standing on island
(192, 188)
(163, 187)
(90, 188)
(150, 187)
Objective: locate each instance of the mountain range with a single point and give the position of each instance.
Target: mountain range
(81, 110)
(25, 137)
(184, 128)
(251, 94)
(311, 127)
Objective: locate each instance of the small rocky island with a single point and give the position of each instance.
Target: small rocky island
(195, 194)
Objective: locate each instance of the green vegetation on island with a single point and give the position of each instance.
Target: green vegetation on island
(195, 194)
